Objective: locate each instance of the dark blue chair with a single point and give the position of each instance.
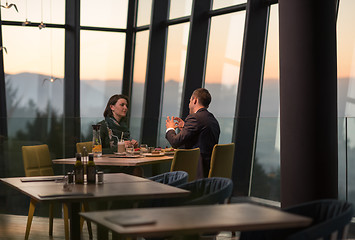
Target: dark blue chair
(329, 216)
(171, 178)
(204, 191)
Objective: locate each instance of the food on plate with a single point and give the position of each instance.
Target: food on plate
(169, 149)
(155, 152)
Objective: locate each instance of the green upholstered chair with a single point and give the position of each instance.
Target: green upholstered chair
(80, 147)
(222, 160)
(186, 160)
(37, 162)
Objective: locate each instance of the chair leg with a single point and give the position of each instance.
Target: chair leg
(31, 211)
(85, 208)
(51, 219)
(66, 221)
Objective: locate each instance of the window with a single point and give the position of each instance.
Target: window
(101, 71)
(108, 13)
(222, 71)
(174, 75)
(266, 167)
(140, 66)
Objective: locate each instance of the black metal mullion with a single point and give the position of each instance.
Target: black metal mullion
(3, 109)
(249, 94)
(72, 76)
(129, 49)
(155, 72)
(196, 51)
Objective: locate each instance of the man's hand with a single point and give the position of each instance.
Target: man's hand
(169, 123)
(180, 123)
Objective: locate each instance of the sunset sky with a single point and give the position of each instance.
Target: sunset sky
(42, 51)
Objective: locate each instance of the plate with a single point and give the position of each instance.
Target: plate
(154, 155)
(120, 154)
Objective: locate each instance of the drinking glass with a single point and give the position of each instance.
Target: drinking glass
(129, 150)
(144, 149)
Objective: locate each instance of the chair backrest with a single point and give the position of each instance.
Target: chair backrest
(222, 160)
(331, 219)
(171, 178)
(186, 160)
(37, 160)
(80, 146)
(204, 191)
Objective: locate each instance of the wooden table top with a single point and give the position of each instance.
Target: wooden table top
(116, 186)
(115, 160)
(189, 220)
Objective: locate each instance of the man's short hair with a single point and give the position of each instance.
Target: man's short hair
(203, 96)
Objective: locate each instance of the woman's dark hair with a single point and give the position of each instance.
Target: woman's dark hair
(112, 101)
(203, 96)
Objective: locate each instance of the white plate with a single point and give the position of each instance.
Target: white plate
(154, 155)
(119, 154)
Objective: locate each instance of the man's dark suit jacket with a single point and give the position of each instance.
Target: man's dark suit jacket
(201, 130)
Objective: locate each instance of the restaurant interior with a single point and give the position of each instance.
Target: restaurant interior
(280, 74)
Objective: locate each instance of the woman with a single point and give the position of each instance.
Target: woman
(115, 124)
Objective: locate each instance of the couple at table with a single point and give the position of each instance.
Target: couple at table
(199, 130)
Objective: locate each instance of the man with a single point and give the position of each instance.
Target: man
(200, 130)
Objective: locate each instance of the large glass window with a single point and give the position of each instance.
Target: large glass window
(346, 98)
(174, 75)
(180, 8)
(222, 71)
(34, 102)
(266, 167)
(50, 11)
(140, 66)
(101, 71)
(226, 3)
(108, 13)
(144, 12)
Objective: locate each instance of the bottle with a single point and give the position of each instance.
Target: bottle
(96, 140)
(79, 170)
(91, 169)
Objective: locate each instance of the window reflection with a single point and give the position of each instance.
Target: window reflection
(144, 12)
(35, 10)
(266, 169)
(140, 65)
(226, 3)
(108, 13)
(174, 75)
(180, 8)
(346, 98)
(222, 72)
(101, 71)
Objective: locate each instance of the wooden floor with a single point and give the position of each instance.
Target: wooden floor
(12, 227)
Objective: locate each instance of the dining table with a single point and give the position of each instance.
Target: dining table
(116, 186)
(191, 221)
(136, 161)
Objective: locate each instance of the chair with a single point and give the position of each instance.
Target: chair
(222, 160)
(37, 162)
(204, 191)
(171, 178)
(186, 160)
(80, 147)
(331, 220)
